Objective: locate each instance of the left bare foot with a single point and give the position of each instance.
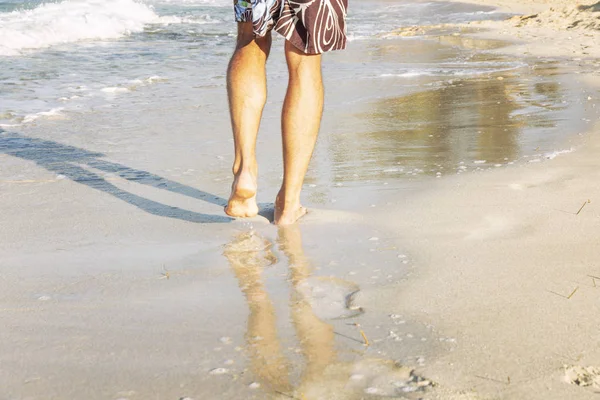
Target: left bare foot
(242, 202)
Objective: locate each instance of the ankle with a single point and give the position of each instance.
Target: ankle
(287, 202)
(245, 168)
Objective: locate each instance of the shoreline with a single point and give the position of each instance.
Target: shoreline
(507, 258)
(556, 28)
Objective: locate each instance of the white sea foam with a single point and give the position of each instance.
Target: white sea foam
(198, 20)
(53, 113)
(460, 68)
(133, 85)
(554, 154)
(71, 21)
(115, 89)
(410, 74)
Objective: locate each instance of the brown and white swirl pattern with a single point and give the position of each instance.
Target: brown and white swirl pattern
(313, 26)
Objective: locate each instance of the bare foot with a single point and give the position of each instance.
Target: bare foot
(287, 213)
(242, 202)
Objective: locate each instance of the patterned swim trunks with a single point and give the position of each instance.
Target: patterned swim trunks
(313, 26)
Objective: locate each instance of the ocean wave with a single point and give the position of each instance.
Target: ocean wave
(70, 21)
(195, 20)
(456, 69)
(193, 3)
(133, 85)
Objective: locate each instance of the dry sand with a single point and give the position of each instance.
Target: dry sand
(554, 28)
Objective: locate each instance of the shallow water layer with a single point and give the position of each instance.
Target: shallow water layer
(525, 113)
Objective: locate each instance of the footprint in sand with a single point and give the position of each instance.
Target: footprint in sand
(540, 180)
(583, 376)
(250, 249)
(492, 227)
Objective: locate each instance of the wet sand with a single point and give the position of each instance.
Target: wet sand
(122, 278)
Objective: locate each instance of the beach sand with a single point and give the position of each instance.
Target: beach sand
(510, 258)
(555, 28)
(123, 279)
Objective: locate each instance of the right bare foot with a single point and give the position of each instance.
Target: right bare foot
(242, 202)
(287, 213)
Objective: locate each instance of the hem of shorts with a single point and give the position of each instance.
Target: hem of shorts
(302, 47)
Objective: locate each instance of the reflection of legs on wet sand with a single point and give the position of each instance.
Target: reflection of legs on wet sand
(248, 254)
(323, 376)
(316, 337)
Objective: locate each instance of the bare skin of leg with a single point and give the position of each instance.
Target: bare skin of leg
(300, 121)
(247, 92)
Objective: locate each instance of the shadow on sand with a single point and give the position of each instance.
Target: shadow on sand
(69, 161)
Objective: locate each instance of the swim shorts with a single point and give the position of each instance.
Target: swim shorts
(313, 26)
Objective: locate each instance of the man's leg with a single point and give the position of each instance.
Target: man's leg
(300, 121)
(247, 91)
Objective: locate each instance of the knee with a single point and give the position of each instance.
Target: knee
(303, 67)
(264, 43)
(246, 39)
(245, 34)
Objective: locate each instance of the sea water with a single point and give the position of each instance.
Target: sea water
(396, 106)
(58, 56)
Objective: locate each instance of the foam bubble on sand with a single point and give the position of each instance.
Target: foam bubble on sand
(71, 21)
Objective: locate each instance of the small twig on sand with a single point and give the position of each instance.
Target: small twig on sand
(562, 295)
(593, 279)
(364, 337)
(362, 333)
(348, 337)
(583, 205)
